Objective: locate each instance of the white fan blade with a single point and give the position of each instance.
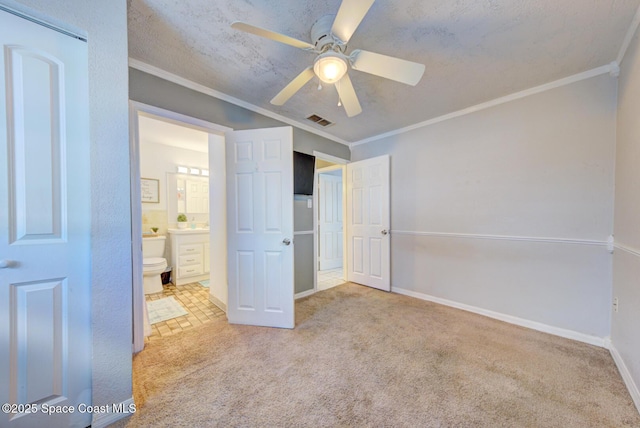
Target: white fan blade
(293, 87)
(348, 96)
(397, 69)
(248, 28)
(349, 16)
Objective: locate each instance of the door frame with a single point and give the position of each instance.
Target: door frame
(327, 170)
(341, 164)
(135, 109)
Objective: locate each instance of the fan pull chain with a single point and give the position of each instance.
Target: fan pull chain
(319, 84)
(339, 100)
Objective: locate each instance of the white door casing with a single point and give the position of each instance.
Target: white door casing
(260, 227)
(368, 223)
(330, 220)
(45, 224)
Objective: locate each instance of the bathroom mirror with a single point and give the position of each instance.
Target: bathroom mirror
(187, 194)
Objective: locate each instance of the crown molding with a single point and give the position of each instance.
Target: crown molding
(627, 39)
(163, 74)
(609, 68)
(612, 69)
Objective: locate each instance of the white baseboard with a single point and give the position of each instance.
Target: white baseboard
(569, 334)
(218, 303)
(304, 294)
(113, 413)
(626, 375)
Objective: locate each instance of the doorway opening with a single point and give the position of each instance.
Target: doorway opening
(177, 153)
(330, 259)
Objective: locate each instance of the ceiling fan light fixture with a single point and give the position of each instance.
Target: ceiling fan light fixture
(330, 67)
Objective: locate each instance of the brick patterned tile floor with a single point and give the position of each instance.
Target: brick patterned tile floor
(195, 300)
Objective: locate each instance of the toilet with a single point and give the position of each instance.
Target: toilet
(153, 264)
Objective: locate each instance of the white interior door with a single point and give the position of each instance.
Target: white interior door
(45, 306)
(330, 219)
(260, 227)
(197, 195)
(368, 223)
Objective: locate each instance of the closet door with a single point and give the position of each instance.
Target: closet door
(45, 287)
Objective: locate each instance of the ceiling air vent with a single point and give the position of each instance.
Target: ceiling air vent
(319, 120)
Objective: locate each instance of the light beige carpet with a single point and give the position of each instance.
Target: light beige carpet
(362, 357)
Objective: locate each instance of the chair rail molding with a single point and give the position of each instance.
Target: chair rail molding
(552, 240)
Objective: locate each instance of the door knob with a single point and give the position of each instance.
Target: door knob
(4, 263)
(286, 241)
(384, 232)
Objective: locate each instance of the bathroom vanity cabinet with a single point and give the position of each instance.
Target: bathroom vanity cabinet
(189, 255)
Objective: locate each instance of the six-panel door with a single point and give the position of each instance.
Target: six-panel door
(260, 227)
(368, 223)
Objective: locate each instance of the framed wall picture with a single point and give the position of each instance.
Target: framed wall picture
(150, 190)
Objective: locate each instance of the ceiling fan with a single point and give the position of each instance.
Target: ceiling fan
(329, 38)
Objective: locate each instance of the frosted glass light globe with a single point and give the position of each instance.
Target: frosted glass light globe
(330, 67)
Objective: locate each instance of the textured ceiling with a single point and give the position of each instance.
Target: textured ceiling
(474, 51)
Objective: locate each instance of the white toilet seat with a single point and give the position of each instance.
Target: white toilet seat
(154, 263)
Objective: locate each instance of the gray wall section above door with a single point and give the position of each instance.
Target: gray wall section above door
(155, 91)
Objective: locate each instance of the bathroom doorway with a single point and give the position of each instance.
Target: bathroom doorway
(178, 153)
(329, 213)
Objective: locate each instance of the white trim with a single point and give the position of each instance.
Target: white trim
(44, 23)
(179, 118)
(302, 294)
(158, 72)
(330, 158)
(219, 303)
(627, 249)
(629, 36)
(626, 376)
(100, 420)
(556, 331)
(503, 237)
(518, 95)
(303, 232)
(138, 300)
(314, 214)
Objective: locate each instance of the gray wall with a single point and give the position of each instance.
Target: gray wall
(540, 167)
(105, 24)
(158, 92)
(626, 264)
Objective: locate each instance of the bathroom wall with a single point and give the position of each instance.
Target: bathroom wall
(156, 160)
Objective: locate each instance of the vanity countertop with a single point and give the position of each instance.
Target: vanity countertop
(188, 231)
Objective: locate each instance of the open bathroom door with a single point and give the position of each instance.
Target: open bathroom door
(260, 227)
